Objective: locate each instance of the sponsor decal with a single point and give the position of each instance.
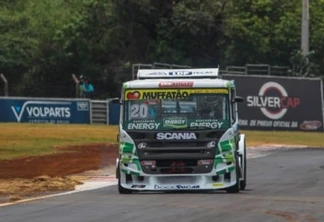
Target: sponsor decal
(152, 102)
(207, 123)
(180, 73)
(157, 74)
(204, 162)
(156, 94)
(176, 122)
(217, 91)
(175, 84)
(42, 109)
(82, 106)
(273, 100)
(176, 136)
(268, 123)
(203, 72)
(133, 95)
(175, 187)
(141, 145)
(211, 144)
(217, 184)
(165, 95)
(143, 126)
(138, 186)
(310, 125)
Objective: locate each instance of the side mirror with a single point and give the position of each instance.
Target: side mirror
(116, 101)
(238, 99)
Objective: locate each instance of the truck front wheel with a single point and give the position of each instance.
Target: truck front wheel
(243, 169)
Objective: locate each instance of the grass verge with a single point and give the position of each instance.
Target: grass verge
(311, 139)
(19, 140)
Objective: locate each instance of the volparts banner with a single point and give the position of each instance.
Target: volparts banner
(276, 103)
(33, 110)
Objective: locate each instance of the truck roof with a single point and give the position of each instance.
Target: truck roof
(179, 83)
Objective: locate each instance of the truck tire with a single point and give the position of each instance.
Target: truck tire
(123, 190)
(117, 174)
(243, 166)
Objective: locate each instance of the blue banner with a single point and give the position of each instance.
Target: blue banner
(114, 113)
(42, 110)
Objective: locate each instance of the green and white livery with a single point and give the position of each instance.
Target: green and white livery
(179, 131)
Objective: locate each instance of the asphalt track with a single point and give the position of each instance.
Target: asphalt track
(286, 185)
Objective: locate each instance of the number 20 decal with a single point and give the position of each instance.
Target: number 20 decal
(139, 111)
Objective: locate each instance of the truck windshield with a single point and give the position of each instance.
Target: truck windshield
(158, 109)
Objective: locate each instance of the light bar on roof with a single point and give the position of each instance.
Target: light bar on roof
(176, 73)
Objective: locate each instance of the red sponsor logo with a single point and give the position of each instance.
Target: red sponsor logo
(133, 95)
(310, 125)
(152, 102)
(175, 84)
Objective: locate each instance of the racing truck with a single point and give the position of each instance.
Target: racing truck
(179, 130)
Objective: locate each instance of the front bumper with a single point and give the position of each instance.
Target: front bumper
(222, 177)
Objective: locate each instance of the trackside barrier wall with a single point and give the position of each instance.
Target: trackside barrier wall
(58, 111)
(279, 103)
(45, 110)
(271, 103)
(114, 111)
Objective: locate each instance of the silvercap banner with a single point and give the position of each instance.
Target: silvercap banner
(277, 103)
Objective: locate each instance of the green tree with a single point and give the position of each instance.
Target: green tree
(43, 42)
(262, 31)
(17, 44)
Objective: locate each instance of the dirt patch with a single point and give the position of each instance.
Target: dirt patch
(34, 176)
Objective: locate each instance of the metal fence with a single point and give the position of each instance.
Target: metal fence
(248, 69)
(99, 112)
(70, 88)
(104, 112)
(256, 69)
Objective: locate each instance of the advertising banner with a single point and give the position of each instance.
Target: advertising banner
(276, 103)
(167, 93)
(114, 113)
(42, 110)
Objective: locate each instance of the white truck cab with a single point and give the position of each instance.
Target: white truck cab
(179, 130)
